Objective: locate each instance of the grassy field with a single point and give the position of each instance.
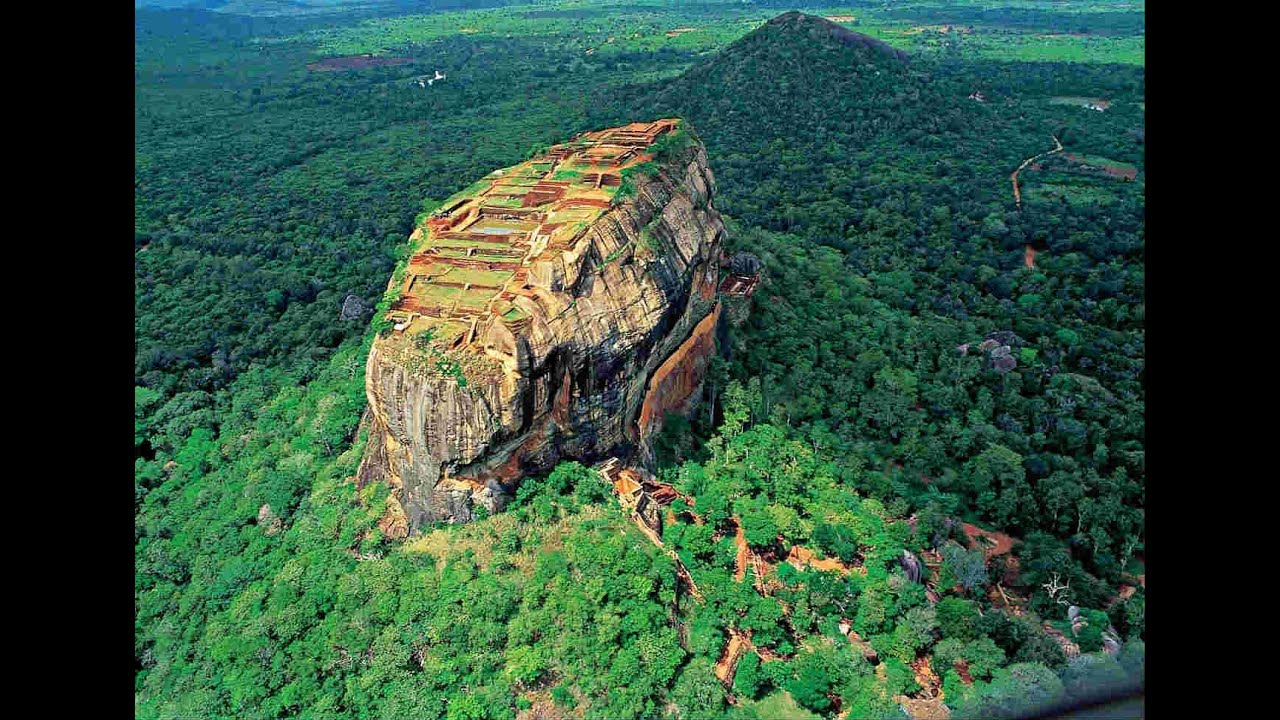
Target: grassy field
(513, 201)
(608, 28)
(1103, 162)
(1074, 100)
(1059, 48)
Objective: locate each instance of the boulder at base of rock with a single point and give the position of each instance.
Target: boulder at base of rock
(354, 309)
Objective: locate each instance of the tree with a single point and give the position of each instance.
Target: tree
(1019, 689)
(737, 412)
(889, 405)
(1095, 623)
(914, 632)
(1133, 657)
(968, 568)
(747, 681)
(836, 541)
(875, 607)
(144, 399)
(957, 618)
(998, 482)
(899, 678)
(759, 529)
(811, 684)
(697, 692)
(1091, 673)
(763, 618)
(1022, 638)
(982, 656)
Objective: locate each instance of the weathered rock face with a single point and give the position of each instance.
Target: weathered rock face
(603, 326)
(674, 385)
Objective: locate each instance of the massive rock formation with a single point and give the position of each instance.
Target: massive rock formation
(558, 309)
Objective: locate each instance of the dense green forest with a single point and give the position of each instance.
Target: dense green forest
(863, 416)
(891, 239)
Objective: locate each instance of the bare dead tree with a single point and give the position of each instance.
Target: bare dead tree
(420, 648)
(1057, 590)
(1130, 543)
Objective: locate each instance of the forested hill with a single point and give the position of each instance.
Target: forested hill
(830, 118)
(788, 106)
(778, 34)
(869, 346)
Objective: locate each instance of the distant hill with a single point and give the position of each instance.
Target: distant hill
(821, 30)
(808, 94)
(793, 55)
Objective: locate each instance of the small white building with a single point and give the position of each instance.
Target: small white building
(425, 81)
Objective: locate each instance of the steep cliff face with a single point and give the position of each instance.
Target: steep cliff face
(538, 314)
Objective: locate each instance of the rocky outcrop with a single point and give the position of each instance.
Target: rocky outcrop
(911, 566)
(353, 308)
(602, 326)
(745, 263)
(999, 347)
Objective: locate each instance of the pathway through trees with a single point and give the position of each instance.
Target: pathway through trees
(740, 562)
(727, 665)
(1017, 195)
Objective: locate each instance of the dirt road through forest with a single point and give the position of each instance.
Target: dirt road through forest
(1017, 194)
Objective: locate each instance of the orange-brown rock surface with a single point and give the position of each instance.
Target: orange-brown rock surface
(558, 311)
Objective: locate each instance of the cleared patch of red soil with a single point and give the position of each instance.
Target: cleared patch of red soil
(802, 557)
(1069, 648)
(355, 62)
(992, 543)
(580, 202)
(541, 707)
(762, 568)
(1005, 599)
(931, 709)
(930, 683)
(927, 703)
(1029, 257)
(863, 646)
(1126, 592)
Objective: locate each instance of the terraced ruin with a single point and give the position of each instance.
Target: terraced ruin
(488, 252)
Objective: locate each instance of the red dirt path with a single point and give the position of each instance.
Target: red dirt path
(1017, 195)
(740, 566)
(728, 662)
